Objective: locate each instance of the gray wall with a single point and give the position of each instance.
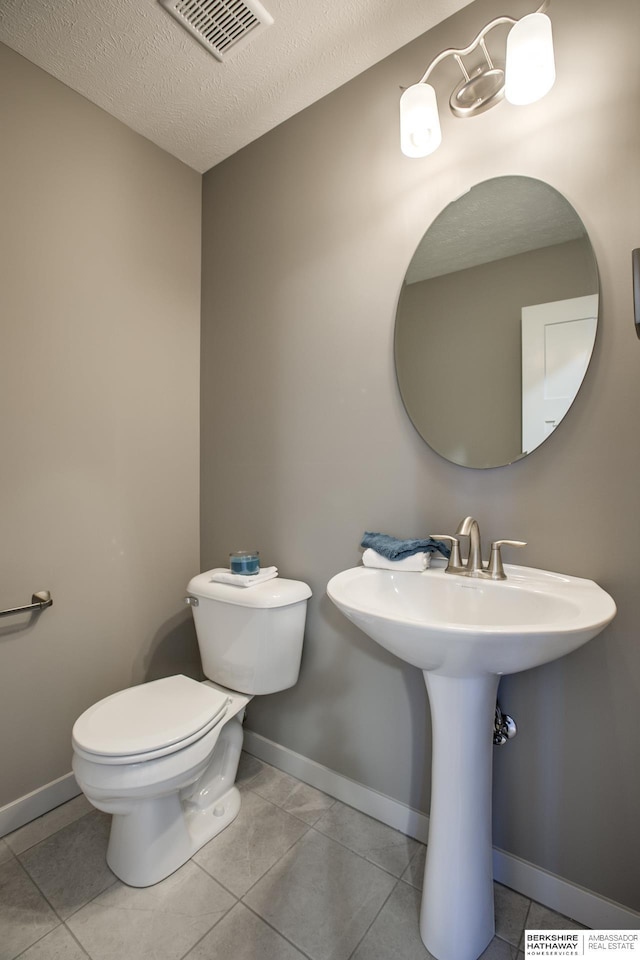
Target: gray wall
(99, 284)
(459, 346)
(307, 236)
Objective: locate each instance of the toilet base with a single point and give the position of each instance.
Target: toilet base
(155, 836)
(159, 836)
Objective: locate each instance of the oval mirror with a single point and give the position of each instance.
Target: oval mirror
(496, 322)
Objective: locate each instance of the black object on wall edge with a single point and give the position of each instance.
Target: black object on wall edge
(635, 261)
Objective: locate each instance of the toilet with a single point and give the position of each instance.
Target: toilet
(162, 757)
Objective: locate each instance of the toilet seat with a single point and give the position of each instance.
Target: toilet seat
(149, 721)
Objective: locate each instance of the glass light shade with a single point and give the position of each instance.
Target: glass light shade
(530, 70)
(420, 132)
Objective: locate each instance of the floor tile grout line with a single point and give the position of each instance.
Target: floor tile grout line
(219, 920)
(49, 835)
(515, 947)
(87, 902)
(258, 879)
(68, 930)
(17, 956)
(40, 892)
(313, 826)
(503, 940)
(382, 906)
(279, 932)
(397, 880)
(280, 806)
(276, 862)
(39, 888)
(12, 856)
(335, 800)
(61, 922)
(355, 852)
(288, 777)
(413, 857)
(411, 885)
(72, 934)
(200, 866)
(291, 812)
(521, 940)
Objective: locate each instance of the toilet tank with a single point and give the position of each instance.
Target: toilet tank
(250, 638)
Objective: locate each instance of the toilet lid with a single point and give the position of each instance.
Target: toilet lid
(148, 721)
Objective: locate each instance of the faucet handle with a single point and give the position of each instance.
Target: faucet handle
(454, 559)
(495, 568)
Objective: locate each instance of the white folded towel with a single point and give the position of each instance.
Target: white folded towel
(418, 562)
(224, 575)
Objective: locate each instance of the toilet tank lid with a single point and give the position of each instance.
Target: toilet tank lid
(277, 592)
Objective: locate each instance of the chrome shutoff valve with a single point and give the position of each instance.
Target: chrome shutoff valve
(504, 727)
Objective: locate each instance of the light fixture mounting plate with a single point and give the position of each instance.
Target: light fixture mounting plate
(483, 90)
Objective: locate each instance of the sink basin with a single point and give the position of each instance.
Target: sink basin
(464, 633)
(460, 626)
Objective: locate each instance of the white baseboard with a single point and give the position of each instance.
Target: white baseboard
(531, 881)
(34, 804)
(583, 905)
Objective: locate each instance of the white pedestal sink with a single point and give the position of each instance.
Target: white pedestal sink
(464, 634)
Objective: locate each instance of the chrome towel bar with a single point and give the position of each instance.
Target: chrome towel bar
(39, 601)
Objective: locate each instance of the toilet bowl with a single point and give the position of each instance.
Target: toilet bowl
(162, 757)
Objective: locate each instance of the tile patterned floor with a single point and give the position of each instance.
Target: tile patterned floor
(297, 876)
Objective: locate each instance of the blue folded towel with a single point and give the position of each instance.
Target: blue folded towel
(394, 549)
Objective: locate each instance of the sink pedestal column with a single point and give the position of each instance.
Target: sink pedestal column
(457, 914)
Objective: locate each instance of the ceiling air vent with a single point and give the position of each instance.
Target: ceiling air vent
(220, 25)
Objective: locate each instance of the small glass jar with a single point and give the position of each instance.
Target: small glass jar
(245, 562)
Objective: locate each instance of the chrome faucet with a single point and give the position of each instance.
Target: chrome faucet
(469, 528)
(473, 565)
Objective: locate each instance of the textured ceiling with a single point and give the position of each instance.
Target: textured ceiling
(131, 58)
(495, 219)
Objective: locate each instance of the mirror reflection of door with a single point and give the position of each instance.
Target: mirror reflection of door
(557, 340)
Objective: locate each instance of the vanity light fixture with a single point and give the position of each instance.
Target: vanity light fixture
(528, 75)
